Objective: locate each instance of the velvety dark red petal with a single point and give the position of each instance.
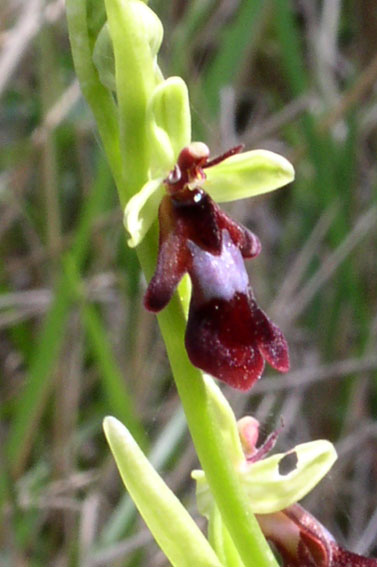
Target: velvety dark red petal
(248, 243)
(343, 558)
(171, 267)
(271, 341)
(215, 342)
(172, 261)
(227, 333)
(302, 541)
(195, 215)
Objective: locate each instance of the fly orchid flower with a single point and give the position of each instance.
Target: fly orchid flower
(271, 482)
(227, 334)
(302, 541)
(299, 537)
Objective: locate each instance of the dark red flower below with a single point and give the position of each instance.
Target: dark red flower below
(227, 334)
(303, 542)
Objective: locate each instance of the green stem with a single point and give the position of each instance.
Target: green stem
(99, 98)
(135, 82)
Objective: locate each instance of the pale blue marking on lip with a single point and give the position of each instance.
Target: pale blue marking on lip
(218, 276)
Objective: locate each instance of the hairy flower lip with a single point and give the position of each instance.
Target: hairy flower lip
(227, 334)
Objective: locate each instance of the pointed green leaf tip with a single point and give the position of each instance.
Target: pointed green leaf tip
(173, 528)
(248, 174)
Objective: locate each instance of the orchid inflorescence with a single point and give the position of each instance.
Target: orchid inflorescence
(163, 176)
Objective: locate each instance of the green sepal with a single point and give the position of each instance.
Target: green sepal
(171, 525)
(247, 174)
(141, 210)
(169, 123)
(269, 490)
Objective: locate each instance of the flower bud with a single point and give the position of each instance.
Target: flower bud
(146, 21)
(103, 58)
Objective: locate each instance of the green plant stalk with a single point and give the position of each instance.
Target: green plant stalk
(135, 82)
(132, 91)
(99, 98)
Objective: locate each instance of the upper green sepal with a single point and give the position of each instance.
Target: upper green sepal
(168, 123)
(248, 174)
(269, 487)
(141, 210)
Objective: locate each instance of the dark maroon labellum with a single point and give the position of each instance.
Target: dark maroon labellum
(302, 541)
(227, 334)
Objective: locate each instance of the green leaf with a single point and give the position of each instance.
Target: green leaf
(247, 174)
(170, 523)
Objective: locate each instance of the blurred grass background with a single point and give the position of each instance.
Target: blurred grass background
(293, 76)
